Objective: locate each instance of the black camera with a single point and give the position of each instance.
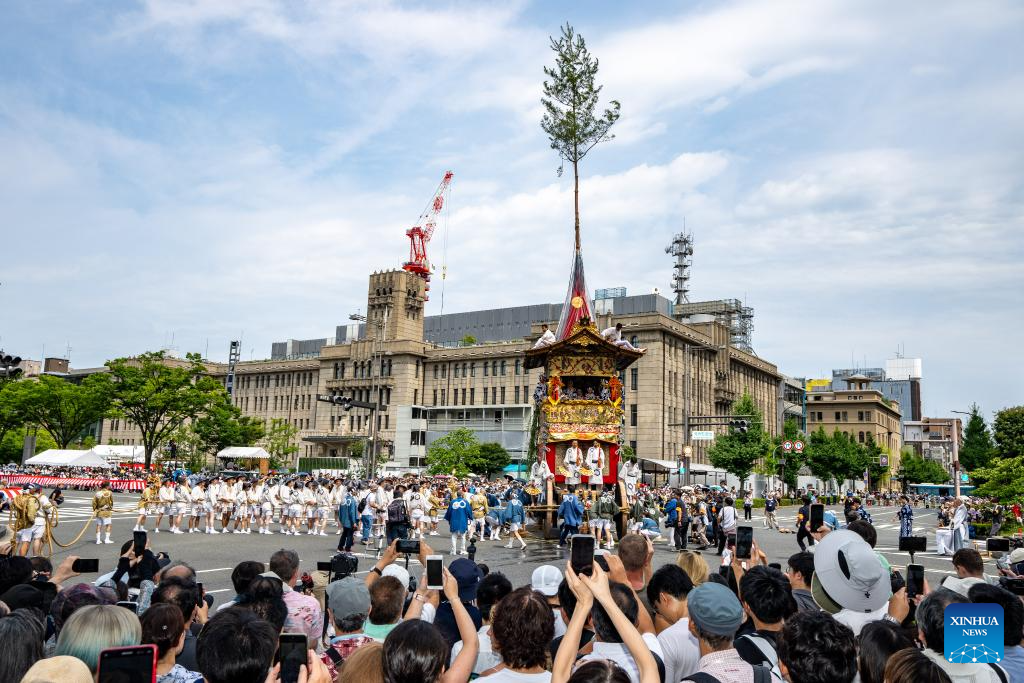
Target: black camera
(408, 546)
(1015, 586)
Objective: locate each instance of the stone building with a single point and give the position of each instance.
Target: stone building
(428, 389)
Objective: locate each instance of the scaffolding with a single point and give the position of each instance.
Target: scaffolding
(729, 312)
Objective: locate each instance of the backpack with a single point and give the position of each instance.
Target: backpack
(769, 656)
(362, 505)
(761, 675)
(398, 513)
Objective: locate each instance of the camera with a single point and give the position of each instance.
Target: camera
(408, 546)
(1015, 586)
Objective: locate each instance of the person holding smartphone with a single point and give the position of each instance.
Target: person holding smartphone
(727, 523)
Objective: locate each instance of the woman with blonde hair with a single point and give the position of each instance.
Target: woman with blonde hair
(365, 665)
(695, 566)
(92, 629)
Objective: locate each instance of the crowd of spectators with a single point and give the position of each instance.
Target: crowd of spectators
(830, 616)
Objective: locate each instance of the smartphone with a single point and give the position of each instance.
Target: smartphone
(435, 572)
(744, 542)
(582, 557)
(140, 543)
(135, 664)
(83, 566)
(410, 547)
(915, 580)
(998, 544)
(915, 544)
(291, 653)
(200, 594)
(817, 516)
(128, 604)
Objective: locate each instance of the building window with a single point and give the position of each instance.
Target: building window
(494, 368)
(635, 341)
(336, 371)
(456, 370)
(332, 423)
(860, 437)
(846, 418)
(455, 397)
(435, 397)
(867, 416)
(632, 444)
(472, 396)
(417, 367)
(517, 366)
(415, 396)
(485, 369)
(444, 396)
(472, 369)
(860, 416)
(838, 416)
(502, 368)
(515, 393)
(632, 415)
(634, 378)
(503, 396)
(387, 419)
(444, 371)
(435, 371)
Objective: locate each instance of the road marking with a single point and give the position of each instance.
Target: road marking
(218, 569)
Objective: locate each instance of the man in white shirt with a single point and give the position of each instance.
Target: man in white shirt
(607, 641)
(666, 593)
(959, 525)
(630, 476)
(595, 463)
(573, 460)
(547, 338)
(727, 523)
(540, 473)
(614, 335)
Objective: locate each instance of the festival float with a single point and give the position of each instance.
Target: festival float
(579, 398)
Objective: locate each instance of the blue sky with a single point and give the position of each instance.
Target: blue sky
(213, 169)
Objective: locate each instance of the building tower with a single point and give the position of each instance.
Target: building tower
(682, 249)
(394, 305)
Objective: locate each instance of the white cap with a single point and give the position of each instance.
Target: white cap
(399, 572)
(546, 579)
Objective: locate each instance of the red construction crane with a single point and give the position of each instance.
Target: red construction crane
(419, 235)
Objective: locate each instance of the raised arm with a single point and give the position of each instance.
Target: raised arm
(462, 667)
(561, 669)
(631, 637)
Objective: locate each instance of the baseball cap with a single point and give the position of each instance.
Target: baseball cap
(546, 579)
(348, 596)
(1016, 556)
(467, 575)
(399, 572)
(715, 609)
(849, 573)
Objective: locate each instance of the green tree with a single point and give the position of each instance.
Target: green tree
(223, 425)
(825, 457)
(918, 470)
(977, 448)
(871, 455)
(14, 441)
(794, 461)
(192, 452)
(11, 416)
(279, 442)
(570, 100)
(159, 394)
(469, 340)
(1008, 430)
(453, 453)
(1003, 479)
(736, 452)
(491, 458)
(64, 409)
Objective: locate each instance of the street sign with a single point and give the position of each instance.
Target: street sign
(798, 446)
(702, 435)
(883, 461)
(787, 445)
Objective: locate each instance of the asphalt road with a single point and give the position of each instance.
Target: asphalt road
(215, 556)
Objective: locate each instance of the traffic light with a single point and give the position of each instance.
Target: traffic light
(344, 401)
(741, 426)
(9, 365)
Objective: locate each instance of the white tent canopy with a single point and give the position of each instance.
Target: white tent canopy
(68, 458)
(243, 453)
(120, 453)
